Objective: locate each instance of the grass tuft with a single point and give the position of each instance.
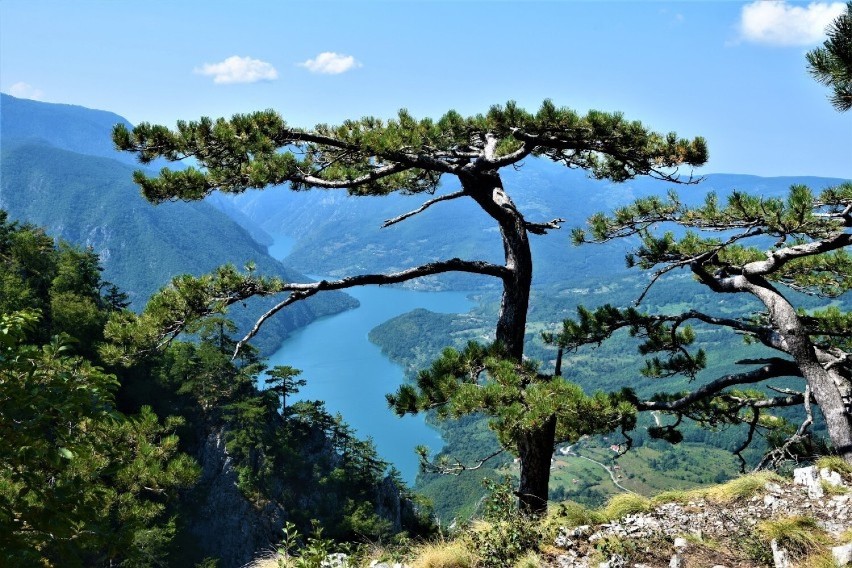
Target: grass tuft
(570, 514)
(822, 560)
(453, 554)
(835, 463)
(681, 496)
(741, 487)
(531, 560)
(800, 536)
(625, 504)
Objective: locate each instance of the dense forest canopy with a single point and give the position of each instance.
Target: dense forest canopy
(102, 455)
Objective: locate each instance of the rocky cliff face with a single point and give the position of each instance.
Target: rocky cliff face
(229, 527)
(226, 525)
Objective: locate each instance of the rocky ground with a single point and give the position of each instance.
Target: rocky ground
(705, 533)
(719, 527)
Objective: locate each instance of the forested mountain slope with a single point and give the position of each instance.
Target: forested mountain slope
(59, 171)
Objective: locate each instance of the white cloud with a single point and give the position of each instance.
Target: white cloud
(26, 91)
(330, 63)
(775, 22)
(237, 69)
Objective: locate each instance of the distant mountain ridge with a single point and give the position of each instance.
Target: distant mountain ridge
(339, 235)
(68, 127)
(58, 169)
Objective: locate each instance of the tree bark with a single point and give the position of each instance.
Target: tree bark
(535, 448)
(825, 383)
(486, 188)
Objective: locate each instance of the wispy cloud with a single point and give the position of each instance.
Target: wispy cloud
(26, 91)
(237, 69)
(775, 22)
(330, 63)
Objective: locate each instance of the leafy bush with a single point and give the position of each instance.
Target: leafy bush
(507, 533)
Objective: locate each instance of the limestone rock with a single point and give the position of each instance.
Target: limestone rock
(810, 478)
(227, 526)
(831, 477)
(780, 558)
(842, 554)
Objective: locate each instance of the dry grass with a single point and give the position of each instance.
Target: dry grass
(531, 560)
(741, 487)
(681, 496)
(625, 504)
(800, 536)
(454, 554)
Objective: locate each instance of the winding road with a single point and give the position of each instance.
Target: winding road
(609, 471)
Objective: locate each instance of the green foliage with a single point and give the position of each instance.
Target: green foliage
(371, 156)
(809, 255)
(299, 455)
(799, 219)
(282, 381)
(831, 64)
(81, 483)
(183, 306)
(311, 555)
(518, 399)
(507, 533)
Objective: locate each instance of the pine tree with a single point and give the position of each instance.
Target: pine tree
(771, 249)
(374, 157)
(831, 64)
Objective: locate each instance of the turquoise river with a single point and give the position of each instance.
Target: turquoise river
(343, 368)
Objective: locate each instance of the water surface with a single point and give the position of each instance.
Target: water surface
(352, 376)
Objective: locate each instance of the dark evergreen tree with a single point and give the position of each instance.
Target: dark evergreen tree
(374, 157)
(282, 380)
(831, 64)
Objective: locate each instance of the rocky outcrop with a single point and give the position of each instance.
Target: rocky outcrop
(660, 530)
(225, 524)
(393, 506)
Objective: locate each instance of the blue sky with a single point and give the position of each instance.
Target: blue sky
(733, 72)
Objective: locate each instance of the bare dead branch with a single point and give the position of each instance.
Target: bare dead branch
(372, 176)
(426, 205)
(543, 228)
(781, 453)
(456, 468)
(752, 426)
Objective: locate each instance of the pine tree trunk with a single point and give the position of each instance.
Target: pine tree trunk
(535, 446)
(487, 190)
(536, 450)
(824, 386)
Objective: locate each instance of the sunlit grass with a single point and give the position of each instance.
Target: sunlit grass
(800, 536)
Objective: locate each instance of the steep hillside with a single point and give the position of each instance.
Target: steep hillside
(91, 200)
